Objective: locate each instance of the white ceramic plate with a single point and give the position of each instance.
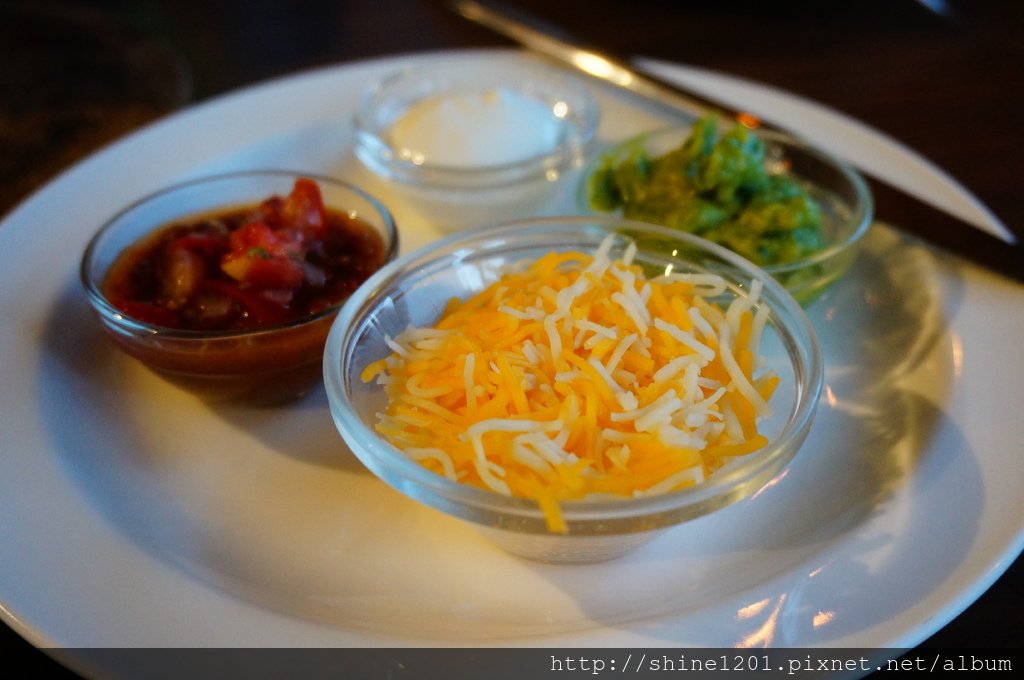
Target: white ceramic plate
(135, 515)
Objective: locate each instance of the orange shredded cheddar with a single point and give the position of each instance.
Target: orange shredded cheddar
(579, 377)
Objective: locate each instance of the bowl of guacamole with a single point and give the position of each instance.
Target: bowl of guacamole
(791, 209)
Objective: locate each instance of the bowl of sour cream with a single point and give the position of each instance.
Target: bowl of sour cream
(469, 143)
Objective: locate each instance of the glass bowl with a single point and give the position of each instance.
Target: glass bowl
(415, 290)
(478, 142)
(264, 365)
(841, 193)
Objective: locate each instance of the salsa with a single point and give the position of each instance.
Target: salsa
(285, 259)
(717, 187)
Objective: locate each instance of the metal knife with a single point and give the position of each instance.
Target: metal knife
(893, 205)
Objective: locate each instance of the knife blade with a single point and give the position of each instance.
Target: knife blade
(892, 205)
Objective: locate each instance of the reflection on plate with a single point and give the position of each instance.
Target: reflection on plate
(140, 516)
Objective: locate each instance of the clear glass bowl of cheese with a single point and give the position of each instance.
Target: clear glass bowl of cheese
(475, 142)
(612, 469)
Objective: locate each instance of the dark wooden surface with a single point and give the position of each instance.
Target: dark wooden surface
(945, 78)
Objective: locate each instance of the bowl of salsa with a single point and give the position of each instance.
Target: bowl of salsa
(227, 285)
(792, 209)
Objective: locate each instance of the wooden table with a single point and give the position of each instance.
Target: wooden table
(945, 78)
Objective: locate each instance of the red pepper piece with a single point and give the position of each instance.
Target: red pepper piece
(304, 210)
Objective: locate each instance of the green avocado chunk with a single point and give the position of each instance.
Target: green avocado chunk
(717, 187)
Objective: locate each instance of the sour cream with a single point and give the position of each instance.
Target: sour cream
(476, 129)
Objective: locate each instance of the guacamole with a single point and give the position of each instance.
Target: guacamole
(714, 186)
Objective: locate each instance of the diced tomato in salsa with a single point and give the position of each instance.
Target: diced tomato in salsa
(304, 210)
(264, 258)
(281, 260)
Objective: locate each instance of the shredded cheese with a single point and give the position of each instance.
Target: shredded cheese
(578, 377)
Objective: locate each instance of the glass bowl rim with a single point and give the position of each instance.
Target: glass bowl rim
(104, 307)
(862, 215)
(371, 444)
